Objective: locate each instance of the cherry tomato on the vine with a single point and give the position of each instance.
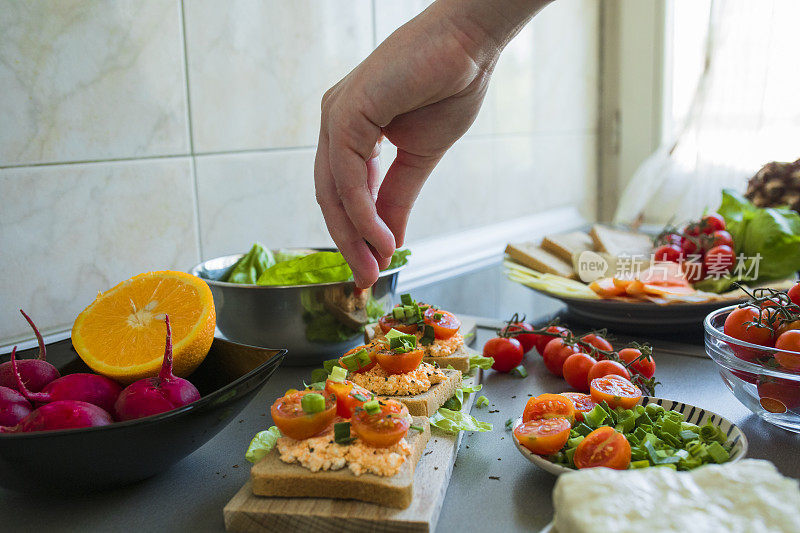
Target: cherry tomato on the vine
(794, 294)
(556, 353)
(646, 367)
(507, 353)
(598, 342)
(605, 368)
(527, 340)
(542, 341)
(668, 252)
(576, 371)
(742, 324)
(712, 222)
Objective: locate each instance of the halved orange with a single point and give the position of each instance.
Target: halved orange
(121, 335)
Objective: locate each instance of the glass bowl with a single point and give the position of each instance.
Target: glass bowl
(768, 390)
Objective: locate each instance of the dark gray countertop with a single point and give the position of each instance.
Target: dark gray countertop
(191, 495)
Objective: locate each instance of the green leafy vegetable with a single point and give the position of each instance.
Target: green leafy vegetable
(399, 258)
(452, 422)
(773, 233)
(319, 267)
(481, 402)
(455, 402)
(262, 444)
(479, 361)
(250, 266)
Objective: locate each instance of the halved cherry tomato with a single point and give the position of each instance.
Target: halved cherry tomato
(370, 348)
(789, 341)
(287, 413)
(542, 340)
(555, 353)
(645, 367)
(506, 352)
(583, 403)
(389, 322)
(348, 396)
(382, 429)
(598, 342)
(549, 406)
(544, 436)
(527, 340)
(603, 447)
(576, 370)
(398, 363)
(616, 391)
(447, 325)
(742, 324)
(605, 368)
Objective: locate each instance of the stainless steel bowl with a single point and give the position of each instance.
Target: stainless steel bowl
(313, 322)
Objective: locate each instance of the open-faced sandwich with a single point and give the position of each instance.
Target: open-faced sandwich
(343, 443)
(436, 330)
(392, 366)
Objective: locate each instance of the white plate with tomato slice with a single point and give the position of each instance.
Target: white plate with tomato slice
(691, 413)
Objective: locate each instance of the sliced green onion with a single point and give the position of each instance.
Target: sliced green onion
(372, 407)
(338, 374)
(520, 371)
(360, 397)
(349, 362)
(509, 423)
(437, 316)
(341, 433)
(398, 313)
(319, 374)
(717, 452)
(428, 335)
(481, 401)
(406, 299)
(329, 364)
(312, 403)
(417, 428)
(595, 417)
(362, 358)
(583, 429)
(640, 464)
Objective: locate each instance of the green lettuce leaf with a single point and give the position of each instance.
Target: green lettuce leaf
(286, 254)
(452, 422)
(319, 267)
(773, 233)
(479, 361)
(399, 258)
(250, 266)
(262, 444)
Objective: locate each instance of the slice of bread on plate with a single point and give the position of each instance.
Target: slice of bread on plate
(428, 402)
(273, 477)
(533, 256)
(566, 245)
(459, 359)
(621, 242)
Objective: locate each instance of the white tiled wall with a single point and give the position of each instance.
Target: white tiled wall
(142, 135)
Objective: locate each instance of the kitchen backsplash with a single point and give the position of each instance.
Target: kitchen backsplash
(144, 135)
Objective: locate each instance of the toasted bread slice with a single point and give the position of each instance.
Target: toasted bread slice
(273, 477)
(459, 359)
(428, 402)
(620, 242)
(565, 245)
(532, 256)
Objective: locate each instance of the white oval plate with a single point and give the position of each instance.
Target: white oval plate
(694, 415)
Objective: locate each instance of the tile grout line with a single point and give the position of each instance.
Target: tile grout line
(193, 162)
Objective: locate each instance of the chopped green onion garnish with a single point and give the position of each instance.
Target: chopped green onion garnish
(312, 403)
(319, 374)
(717, 452)
(406, 299)
(338, 374)
(640, 464)
(417, 428)
(428, 335)
(595, 417)
(398, 313)
(437, 316)
(509, 423)
(520, 371)
(349, 362)
(360, 397)
(481, 401)
(372, 407)
(363, 359)
(329, 364)
(341, 433)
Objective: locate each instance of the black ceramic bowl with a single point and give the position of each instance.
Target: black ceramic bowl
(82, 460)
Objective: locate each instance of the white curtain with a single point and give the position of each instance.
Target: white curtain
(745, 113)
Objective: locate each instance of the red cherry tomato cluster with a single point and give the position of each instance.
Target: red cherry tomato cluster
(771, 319)
(704, 248)
(577, 360)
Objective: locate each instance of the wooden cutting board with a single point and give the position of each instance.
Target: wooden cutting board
(248, 513)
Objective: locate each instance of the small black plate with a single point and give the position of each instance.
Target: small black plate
(84, 460)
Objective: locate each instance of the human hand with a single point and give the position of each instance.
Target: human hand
(421, 88)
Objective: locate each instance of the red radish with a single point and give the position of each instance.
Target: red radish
(36, 373)
(151, 396)
(90, 388)
(13, 405)
(61, 414)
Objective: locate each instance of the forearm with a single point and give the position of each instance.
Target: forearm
(488, 25)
